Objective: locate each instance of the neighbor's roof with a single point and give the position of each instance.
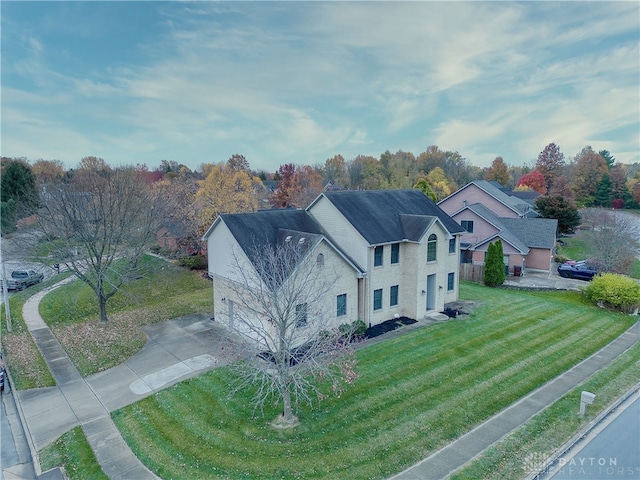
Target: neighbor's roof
(383, 216)
(521, 232)
(519, 206)
(504, 232)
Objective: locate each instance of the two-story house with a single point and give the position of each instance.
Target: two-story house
(487, 213)
(395, 252)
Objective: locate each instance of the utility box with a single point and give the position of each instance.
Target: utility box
(586, 398)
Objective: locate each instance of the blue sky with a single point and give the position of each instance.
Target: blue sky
(299, 82)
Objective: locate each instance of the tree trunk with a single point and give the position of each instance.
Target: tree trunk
(287, 413)
(102, 301)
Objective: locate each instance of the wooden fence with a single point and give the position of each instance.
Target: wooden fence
(471, 272)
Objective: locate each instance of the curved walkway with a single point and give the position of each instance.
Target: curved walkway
(176, 349)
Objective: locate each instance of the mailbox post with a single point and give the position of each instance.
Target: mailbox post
(586, 398)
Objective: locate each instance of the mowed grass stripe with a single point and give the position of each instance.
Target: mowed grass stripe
(415, 394)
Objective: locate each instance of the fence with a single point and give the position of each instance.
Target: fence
(471, 272)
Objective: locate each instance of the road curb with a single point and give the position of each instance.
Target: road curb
(549, 466)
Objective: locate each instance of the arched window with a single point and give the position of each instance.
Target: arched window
(432, 244)
(320, 259)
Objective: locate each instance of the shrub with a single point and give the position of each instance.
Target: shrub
(196, 262)
(494, 271)
(614, 291)
(354, 329)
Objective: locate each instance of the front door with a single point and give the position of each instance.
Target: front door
(431, 292)
(230, 304)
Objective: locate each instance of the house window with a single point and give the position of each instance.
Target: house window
(395, 253)
(377, 256)
(341, 302)
(451, 280)
(301, 315)
(320, 259)
(432, 244)
(377, 299)
(452, 245)
(467, 225)
(393, 295)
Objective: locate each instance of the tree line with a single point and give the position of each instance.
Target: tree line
(194, 198)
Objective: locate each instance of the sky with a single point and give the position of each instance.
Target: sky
(300, 81)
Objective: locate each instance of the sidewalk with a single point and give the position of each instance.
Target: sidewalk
(177, 349)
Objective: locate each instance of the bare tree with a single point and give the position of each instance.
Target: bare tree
(613, 238)
(284, 310)
(99, 223)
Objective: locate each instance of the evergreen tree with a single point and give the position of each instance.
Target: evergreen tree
(563, 210)
(494, 271)
(603, 193)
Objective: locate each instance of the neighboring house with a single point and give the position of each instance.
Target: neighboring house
(175, 237)
(491, 196)
(395, 251)
(487, 213)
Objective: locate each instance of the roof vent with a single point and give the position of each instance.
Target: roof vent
(287, 238)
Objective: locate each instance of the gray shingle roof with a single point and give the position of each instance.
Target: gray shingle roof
(497, 222)
(254, 231)
(519, 205)
(521, 232)
(535, 232)
(378, 215)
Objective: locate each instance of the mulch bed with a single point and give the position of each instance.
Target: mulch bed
(388, 326)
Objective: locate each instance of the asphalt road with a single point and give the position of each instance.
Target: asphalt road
(610, 453)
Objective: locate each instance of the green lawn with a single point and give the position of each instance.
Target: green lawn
(73, 452)
(71, 311)
(545, 433)
(416, 393)
(28, 368)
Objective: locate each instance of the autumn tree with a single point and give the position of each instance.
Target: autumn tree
(550, 164)
(534, 180)
(618, 178)
(589, 168)
(238, 163)
(335, 171)
(178, 192)
(225, 189)
(403, 169)
(441, 184)
(498, 172)
(280, 305)
(309, 186)
(286, 191)
(453, 164)
(355, 169)
(426, 188)
(99, 224)
(47, 171)
(561, 209)
(561, 188)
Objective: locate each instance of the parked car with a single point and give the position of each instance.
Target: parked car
(582, 270)
(3, 375)
(21, 279)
